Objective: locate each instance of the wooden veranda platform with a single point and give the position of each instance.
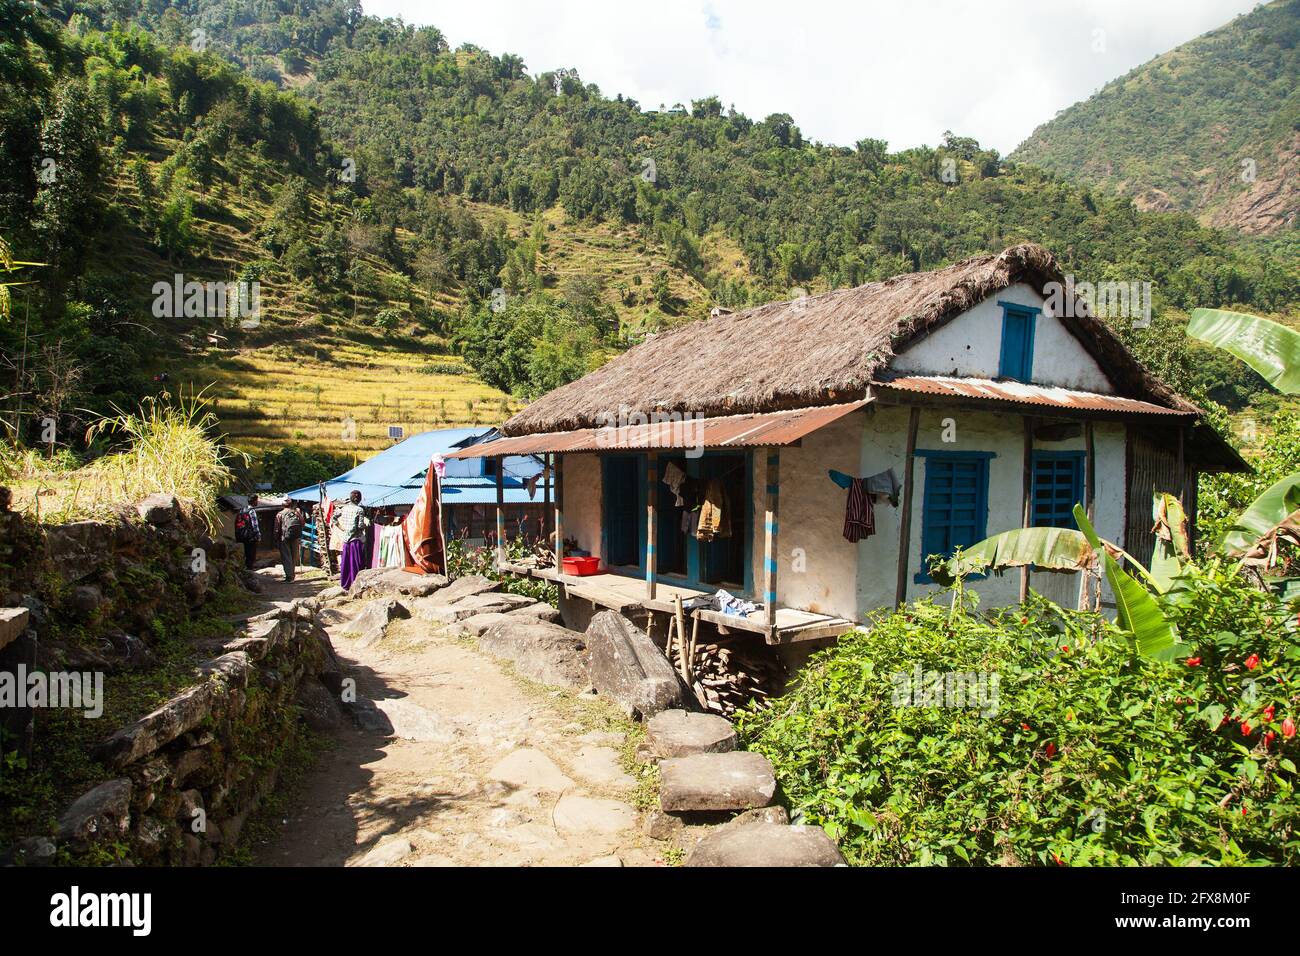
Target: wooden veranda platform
(622, 593)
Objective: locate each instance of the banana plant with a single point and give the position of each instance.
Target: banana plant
(1271, 349)
(1151, 634)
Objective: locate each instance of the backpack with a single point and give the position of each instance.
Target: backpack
(291, 525)
(244, 526)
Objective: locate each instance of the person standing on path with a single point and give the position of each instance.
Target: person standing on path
(350, 523)
(247, 531)
(288, 532)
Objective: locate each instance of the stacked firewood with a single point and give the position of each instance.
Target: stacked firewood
(728, 675)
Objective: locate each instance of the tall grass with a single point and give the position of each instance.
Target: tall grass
(166, 445)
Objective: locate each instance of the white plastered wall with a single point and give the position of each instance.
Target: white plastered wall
(884, 445)
(970, 346)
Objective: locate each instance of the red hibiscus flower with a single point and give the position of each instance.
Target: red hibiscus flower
(1252, 662)
(1288, 728)
(1193, 662)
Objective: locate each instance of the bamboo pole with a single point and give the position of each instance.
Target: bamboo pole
(652, 525)
(771, 529)
(1027, 494)
(905, 522)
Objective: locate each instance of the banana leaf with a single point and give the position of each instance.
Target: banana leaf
(1172, 544)
(1271, 349)
(1056, 549)
(1265, 515)
(1139, 613)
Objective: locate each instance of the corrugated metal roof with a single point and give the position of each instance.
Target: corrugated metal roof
(1022, 394)
(723, 431)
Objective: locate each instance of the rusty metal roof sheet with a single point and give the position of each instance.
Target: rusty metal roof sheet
(1021, 394)
(724, 431)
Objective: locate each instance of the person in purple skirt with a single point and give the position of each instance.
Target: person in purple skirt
(350, 525)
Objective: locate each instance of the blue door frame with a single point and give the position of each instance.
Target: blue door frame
(695, 550)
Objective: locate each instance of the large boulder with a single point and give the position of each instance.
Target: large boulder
(495, 602)
(374, 581)
(627, 667)
(467, 586)
(679, 733)
(101, 813)
(546, 653)
(728, 781)
(543, 612)
(765, 844)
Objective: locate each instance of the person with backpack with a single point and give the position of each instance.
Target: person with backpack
(350, 525)
(288, 533)
(247, 531)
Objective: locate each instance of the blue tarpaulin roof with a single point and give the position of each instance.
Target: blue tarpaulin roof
(395, 475)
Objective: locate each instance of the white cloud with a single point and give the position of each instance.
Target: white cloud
(903, 72)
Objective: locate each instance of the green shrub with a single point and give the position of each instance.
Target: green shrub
(1090, 755)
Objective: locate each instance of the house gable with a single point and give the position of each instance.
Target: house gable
(971, 345)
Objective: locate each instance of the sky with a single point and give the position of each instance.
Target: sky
(903, 70)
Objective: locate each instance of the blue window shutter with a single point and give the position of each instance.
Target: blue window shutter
(954, 512)
(1017, 358)
(1057, 485)
(624, 514)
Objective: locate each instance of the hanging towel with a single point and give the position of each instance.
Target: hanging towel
(859, 514)
(884, 483)
(673, 478)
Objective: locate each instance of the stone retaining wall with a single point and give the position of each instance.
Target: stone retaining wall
(189, 773)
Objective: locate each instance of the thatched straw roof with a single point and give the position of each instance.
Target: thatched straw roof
(814, 351)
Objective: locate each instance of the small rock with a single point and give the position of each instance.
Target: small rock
(677, 733)
(766, 844)
(410, 721)
(658, 825)
(35, 851)
(388, 852)
(158, 509)
(775, 815)
(377, 614)
(604, 861)
(85, 599)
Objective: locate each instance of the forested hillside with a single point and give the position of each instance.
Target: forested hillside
(434, 228)
(1212, 127)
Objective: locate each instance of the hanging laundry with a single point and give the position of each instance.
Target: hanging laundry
(673, 478)
(544, 476)
(859, 514)
(886, 484)
(715, 512)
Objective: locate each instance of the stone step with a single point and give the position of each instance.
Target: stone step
(738, 780)
(765, 844)
(679, 733)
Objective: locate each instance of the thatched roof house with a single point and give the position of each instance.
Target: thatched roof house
(815, 350)
(992, 398)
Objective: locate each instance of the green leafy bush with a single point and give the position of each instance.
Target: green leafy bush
(464, 559)
(1090, 755)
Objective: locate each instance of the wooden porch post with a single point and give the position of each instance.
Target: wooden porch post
(905, 521)
(501, 511)
(651, 524)
(1182, 466)
(770, 529)
(548, 475)
(1027, 494)
(559, 513)
(1090, 473)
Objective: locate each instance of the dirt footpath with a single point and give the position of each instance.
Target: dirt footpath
(460, 763)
